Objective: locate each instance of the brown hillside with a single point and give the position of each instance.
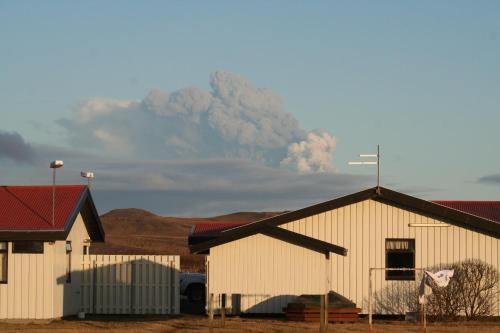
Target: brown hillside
(136, 231)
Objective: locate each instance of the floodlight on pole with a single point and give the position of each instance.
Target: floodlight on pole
(54, 165)
(89, 175)
(377, 163)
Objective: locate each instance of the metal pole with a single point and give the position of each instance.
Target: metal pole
(425, 319)
(327, 289)
(370, 299)
(53, 195)
(378, 165)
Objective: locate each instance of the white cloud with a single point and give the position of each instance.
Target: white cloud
(314, 154)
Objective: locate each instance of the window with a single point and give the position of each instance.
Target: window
(399, 253)
(4, 254)
(27, 247)
(68, 261)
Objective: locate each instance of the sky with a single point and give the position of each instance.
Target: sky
(195, 108)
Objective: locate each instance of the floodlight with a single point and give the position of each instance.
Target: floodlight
(56, 164)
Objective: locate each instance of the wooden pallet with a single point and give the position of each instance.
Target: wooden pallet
(334, 315)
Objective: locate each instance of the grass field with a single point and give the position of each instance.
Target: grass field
(201, 324)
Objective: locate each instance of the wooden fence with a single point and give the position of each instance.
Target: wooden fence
(130, 284)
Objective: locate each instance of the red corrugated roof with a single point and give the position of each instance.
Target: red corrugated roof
(486, 209)
(30, 207)
(213, 227)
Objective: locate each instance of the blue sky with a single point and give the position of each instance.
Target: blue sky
(421, 79)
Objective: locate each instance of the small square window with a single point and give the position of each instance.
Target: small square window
(27, 247)
(4, 265)
(400, 253)
(68, 261)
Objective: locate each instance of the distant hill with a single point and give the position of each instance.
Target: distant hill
(137, 231)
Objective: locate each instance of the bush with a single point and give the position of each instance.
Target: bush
(471, 292)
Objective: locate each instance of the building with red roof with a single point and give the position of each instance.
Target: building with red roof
(41, 250)
(383, 238)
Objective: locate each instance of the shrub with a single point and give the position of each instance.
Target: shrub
(471, 292)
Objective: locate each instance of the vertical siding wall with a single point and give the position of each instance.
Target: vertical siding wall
(263, 273)
(67, 295)
(28, 293)
(119, 284)
(362, 228)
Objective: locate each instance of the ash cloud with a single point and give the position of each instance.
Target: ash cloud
(13, 147)
(233, 120)
(493, 179)
(213, 187)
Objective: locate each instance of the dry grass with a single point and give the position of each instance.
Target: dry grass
(233, 325)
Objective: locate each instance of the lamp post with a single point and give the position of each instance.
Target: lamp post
(54, 165)
(89, 175)
(377, 163)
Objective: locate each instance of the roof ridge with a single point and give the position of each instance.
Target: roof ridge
(45, 185)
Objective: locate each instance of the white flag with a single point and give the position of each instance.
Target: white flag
(441, 279)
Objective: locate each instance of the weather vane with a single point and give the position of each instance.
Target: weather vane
(377, 163)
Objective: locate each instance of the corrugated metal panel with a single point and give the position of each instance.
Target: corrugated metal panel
(30, 207)
(487, 209)
(361, 228)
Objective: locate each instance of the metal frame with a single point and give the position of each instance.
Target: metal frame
(370, 290)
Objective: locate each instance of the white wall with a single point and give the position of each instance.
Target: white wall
(32, 291)
(362, 228)
(265, 271)
(29, 289)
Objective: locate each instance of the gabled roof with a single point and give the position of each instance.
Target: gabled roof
(26, 212)
(438, 210)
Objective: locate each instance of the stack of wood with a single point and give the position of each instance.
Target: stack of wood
(307, 308)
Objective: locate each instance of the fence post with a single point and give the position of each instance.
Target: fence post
(322, 328)
(223, 310)
(211, 312)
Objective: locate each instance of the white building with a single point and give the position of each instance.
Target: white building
(41, 253)
(261, 266)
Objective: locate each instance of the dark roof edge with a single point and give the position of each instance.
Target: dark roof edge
(423, 207)
(101, 235)
(440, 212)
(254, 227)
(304, 241)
